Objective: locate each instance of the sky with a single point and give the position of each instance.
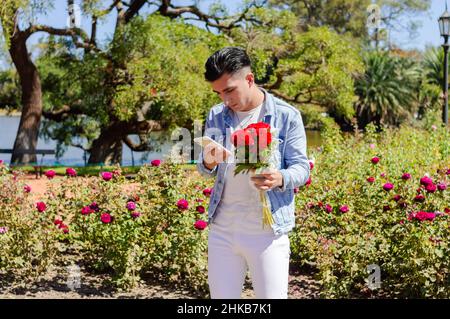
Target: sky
(427, 34)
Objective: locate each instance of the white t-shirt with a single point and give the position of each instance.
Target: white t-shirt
(239, 195)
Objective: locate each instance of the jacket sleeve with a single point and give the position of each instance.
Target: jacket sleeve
(202, 169)
(297, 169)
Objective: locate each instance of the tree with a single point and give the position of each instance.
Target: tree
(312, 69)
(387, 90)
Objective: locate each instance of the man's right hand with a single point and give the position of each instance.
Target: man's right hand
(213, 155)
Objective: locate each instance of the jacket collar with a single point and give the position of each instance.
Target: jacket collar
(268, 109)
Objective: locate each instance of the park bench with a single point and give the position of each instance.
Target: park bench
(38, 167)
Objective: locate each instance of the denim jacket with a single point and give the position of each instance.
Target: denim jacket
(293, 162)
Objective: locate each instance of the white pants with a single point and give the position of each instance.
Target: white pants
(237, 242)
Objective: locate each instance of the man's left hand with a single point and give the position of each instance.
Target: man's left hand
(269, 180)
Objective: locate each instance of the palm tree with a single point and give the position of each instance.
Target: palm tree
(388, 90)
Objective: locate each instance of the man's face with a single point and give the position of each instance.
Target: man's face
(235, 90)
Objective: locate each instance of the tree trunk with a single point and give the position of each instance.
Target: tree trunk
(27, 134)
(107, 148)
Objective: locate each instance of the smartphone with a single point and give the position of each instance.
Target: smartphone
(206, 140)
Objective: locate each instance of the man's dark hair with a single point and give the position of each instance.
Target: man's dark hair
(227, 60)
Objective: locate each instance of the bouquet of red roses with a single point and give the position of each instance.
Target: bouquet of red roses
(254, 154)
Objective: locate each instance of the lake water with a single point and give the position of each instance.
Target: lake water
(75, 156)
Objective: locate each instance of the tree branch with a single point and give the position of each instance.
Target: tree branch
(63, 113)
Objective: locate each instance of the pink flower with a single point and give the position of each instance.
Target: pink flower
(388, 187)
(107, 176)
(3, 230)
(135, 215)
(106, 218)
(431, 188)
(328, 208)
(343, 209)
(383, 174)
(434, 127)
(311, 165)
(200, 224)
(156, 162)
(1, 162)
(419, 198)
(131, 206)
(27, 188)
(62, 226)
(71, 172)
(372, 146)
(375, 160)
(406, 176)
(200, 209)
(41, 207)
(396, 197)
(426, 181)
(442, 186)
(371, 179)
(207, 192)
(401, 222)
(58, 222)
(50, 174)
(421, 216)
(183, 204)
(86, 210)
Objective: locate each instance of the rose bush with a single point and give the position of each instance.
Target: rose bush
(399, 221)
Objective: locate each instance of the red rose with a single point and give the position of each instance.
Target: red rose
(375, 160)
(242, 138)
(41, 207)
(200, 224)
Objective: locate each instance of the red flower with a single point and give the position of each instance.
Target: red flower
(448, 172)
(328, 208)
(426, 181)
(396, 197)
(131, 206)
(371, 179)
(431, 188)
(183, 204)
(419, 198)
(311, 165)
(343, 209)
(388, 187)
(27, 188)
(386, 208)
(308, 182)
(375, 160)
(135, 215)
(58, 222)
(200, 209)
(200, 224)
(295, 190)
(86, 210)
(406, 176)
(156, 162)
(94, 206)
(107, 176)
(447, 210)
(242, 138)
(207, 192)
(41, 207)
(50, 174)
(71, 172)
(442, 186)
(106, 218)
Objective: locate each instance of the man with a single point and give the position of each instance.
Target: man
(237, 239)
